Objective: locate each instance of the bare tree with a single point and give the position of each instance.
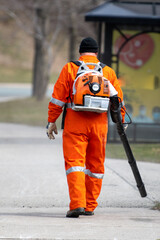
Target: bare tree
(75, 22)
(72, 30)
(44, 39)
(44, 20)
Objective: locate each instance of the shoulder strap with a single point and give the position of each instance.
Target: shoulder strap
(102, 65)
(83, 66)
(78, 63)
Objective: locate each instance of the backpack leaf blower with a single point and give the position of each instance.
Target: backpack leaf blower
(116, 118)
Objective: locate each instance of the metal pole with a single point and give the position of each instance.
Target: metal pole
(100, 40)
(108, 44)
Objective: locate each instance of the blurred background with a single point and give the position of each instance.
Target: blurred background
(37, 38)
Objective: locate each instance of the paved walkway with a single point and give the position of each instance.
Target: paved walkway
(11, 91)
(34, 195)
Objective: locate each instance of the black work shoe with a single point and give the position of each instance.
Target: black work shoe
(88, 213)
(75, 212)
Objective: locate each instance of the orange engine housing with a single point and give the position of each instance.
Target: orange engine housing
(82, 84)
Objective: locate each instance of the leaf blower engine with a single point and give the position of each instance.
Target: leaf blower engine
(91, 91)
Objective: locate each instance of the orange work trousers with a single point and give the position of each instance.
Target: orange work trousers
(84, 142)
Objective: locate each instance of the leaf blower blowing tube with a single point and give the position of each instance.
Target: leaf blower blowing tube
(116, 118)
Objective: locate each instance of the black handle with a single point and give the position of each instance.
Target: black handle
(133, 164)
(116, 118)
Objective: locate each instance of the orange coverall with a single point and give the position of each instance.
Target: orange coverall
(84, 138)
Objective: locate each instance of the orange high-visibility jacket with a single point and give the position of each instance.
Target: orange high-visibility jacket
(62, 92)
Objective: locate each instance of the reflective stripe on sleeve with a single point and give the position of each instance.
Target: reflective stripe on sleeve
(94, 175)
(75, 169)
(57, 102)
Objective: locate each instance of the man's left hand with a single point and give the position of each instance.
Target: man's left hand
(50, 128)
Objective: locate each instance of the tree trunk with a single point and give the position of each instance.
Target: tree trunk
(72, 35)
(72, 43)
(41, 63)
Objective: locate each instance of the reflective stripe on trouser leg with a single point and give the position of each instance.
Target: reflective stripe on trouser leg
(94, 175)
(75, 169)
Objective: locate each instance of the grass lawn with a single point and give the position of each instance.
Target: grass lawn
(142, 152)
(13, 75)
(31, 112)
(26, 111)
(156, 207)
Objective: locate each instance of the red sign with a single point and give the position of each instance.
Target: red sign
(137, 51)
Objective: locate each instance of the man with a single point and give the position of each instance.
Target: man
(142, 117)
(84, 135)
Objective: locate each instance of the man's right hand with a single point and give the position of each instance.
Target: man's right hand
(50, 128)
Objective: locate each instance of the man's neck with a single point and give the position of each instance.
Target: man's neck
(88, 54)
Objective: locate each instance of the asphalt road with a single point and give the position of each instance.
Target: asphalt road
(34, 194)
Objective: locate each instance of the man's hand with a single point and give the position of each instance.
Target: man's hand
(50, 128)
